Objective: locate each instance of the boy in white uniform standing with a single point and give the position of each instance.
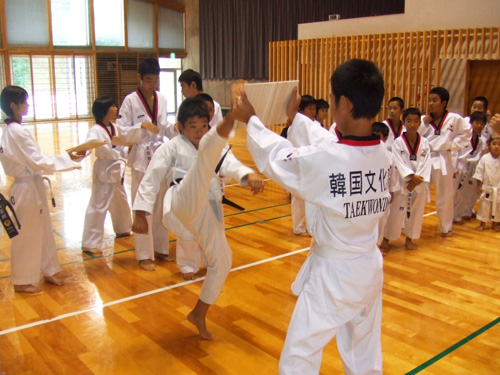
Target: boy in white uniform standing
(143, 122)
(344, 185)
(396, 107)
(192, 206)
(446, 132)
(108, 192)
(34, 248)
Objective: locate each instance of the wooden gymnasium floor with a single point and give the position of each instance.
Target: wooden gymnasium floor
(440, 316)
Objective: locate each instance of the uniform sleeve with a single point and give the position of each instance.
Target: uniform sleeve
(161, 162)
(232, 167)
(479, 173)
(31, 153)
(104, 151)
(273, 156)
(217, 115)
(127, 130)
(305, 132)
(425, 164)
(462, 134)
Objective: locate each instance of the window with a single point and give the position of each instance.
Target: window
(20, 75)
(26, 22)
(170, 70)
(108, 22)
(43, 98)
(70, 22)
(140, 22)
(170, 29)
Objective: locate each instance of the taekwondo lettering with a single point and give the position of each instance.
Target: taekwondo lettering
(360, 184)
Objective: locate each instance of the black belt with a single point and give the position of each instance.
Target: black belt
(9, 226)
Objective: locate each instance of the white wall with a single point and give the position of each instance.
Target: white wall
(419, 15)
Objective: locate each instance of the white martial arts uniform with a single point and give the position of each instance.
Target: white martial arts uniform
(452, 134)
(217, 115)
(393, 185)
(133, 111)
(108, 193)
(393, 133)
(344, 185)
(193, 208)
(408, 207)
(488, 171)
(466, 194)
(34, 249)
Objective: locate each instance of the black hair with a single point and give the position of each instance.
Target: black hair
(380, 127)
(478, 116)
(101, 106)
(398, 100)
(12, 94)
(149, 65)
(443, 94)
(361, 82)
(192, 107)
(188, 76)
(491, 138)
(306, 101)
(411, 111)
(481, 99)
(205, 97)
(321, 103)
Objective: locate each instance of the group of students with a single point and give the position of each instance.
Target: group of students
(342, 176)
(459, 156)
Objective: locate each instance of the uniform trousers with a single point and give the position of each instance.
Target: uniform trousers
(443, 188)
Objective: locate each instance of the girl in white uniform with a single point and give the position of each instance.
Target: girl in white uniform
(344, 185)
(143, 122)
(488, 186)
(34, 249)
(411, 155)
(192, 207)
(108, 192)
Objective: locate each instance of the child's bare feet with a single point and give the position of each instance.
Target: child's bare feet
(55, 279)
(121, 235)
(91, 250)
(384, 246)
(480, 228)
(147, 264)
(28, 288)
(199, 322)
(189, 276)
(496, 227)
(410, 245)
(459, 222)
(303, 234)
(447, 234)
(164, 257)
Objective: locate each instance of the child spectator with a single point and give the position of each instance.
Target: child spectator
(395, 107)
(143, 122)
(445, 132)
(412, 161)
(488, 186)
(34, 248)
(108, 192)
(465, 187)
(192, 85)
(322, 107)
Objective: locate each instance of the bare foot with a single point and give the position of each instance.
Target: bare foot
(495, 227)
(480, 228)
(384, 246)
(303, 234)
(189, 276)
(410, 245)
(55, 279)
(467, 217)
(164, 257)
(200, 323)
(459, 222)
(120, 235)
(29, 288)
(147, 264)
(91, 250)
(447, 234)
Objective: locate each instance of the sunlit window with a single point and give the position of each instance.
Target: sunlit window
(170, 28)
(109, 23)
(70, 22)
(140, 22)
(26, 22)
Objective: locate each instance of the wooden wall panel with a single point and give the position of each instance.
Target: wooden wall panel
(410, 61)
